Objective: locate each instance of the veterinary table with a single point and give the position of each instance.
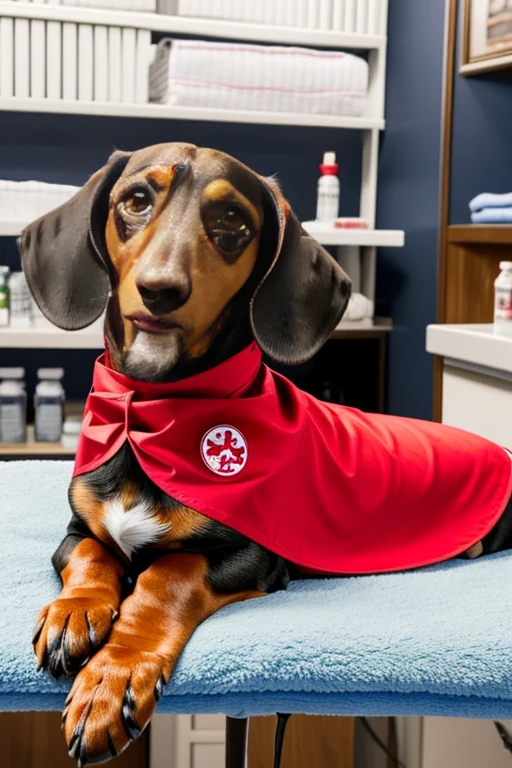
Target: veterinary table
(437, 641)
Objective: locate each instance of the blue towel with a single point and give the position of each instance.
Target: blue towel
(436, 641)
(492, 216)
(490, 200)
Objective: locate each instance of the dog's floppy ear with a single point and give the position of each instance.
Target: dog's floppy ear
(63, 254)
(304, 293)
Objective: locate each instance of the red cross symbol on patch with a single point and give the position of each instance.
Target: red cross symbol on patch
(224, 450)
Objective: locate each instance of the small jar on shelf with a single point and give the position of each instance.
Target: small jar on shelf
(13, 406)
(49, 405)
(503, 299)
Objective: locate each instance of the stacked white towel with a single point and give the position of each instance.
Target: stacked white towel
(199, 73)
(25, 201)
(359, 308)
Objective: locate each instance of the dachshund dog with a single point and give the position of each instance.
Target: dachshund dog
(196, 258)
(180, 243)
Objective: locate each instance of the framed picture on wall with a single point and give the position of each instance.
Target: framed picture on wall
(486, 35)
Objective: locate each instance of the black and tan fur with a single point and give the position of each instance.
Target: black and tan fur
(191, 237)
(211, 253)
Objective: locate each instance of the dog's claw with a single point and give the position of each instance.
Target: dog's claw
(76, 747)
(93, 638)
(159, 688)
(111, 747)
(132, 728)
(75, 740)
(111, 702)
(42, 663)
(82, 755)
(57, 659)
(54, 664)
(69, 631)
(65, 661)
(37, 630)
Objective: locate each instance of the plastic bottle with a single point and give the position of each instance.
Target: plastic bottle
(13, 406)
(19, 301)
(71, 432)
(49, 405)
(328, 199)
(503, 299)
(4, 297)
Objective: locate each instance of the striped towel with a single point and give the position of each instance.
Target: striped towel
(28, 200)
(200, 73)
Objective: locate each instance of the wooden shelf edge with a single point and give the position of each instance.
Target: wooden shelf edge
(493, 234)
(362, 329)
(32, 449)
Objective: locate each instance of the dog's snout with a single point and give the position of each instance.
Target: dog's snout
(163, 300)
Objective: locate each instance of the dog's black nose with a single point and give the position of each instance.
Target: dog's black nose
(164, 300)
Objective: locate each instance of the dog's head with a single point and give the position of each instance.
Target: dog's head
(186, 245)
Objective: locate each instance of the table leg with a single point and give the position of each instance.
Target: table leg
(236, 742)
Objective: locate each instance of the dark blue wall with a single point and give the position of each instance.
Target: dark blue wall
(482, 138)
(408, 198)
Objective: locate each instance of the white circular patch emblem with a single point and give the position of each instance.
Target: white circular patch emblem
(224, 450)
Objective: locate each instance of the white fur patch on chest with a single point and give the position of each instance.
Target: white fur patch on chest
(133, 528)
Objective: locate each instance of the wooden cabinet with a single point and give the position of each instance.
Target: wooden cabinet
(468, 267)
(35, 740)
(311, 741)
(472, 265)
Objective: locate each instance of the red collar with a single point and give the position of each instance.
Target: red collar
(232, 378)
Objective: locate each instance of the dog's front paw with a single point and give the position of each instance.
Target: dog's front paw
(69, 630)
(111, 702)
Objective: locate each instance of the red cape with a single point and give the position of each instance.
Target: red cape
(327, 487)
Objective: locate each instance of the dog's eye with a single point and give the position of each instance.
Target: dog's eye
(133, 211)
(138, 202)
(228, 227)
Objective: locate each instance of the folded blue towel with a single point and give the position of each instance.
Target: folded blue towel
(490, 200)
(492, 216)
(436, 641)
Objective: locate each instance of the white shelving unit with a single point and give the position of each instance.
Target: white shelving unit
(163, 112)
(197, 27)
(324, 233)
(378, 238)
(373, 44)
(11, 227)
(92, 338)
(351, 244)
(50, 337)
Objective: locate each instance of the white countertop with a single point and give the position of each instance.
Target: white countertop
(477, 344)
